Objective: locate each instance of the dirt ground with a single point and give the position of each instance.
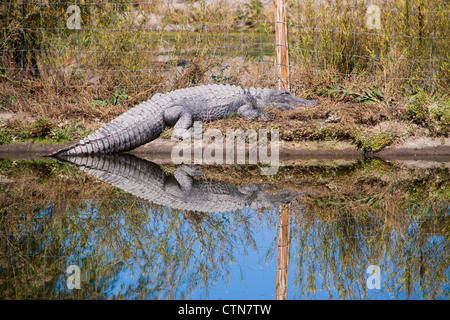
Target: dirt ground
(422, 152)
(331, 130)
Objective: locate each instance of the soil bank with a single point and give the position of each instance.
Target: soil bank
(159, 150)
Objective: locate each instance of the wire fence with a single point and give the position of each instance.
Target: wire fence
(141, 45)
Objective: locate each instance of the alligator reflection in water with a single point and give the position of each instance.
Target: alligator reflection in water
(148, 181)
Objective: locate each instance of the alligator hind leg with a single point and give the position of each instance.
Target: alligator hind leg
(180, 185)
(181, 119)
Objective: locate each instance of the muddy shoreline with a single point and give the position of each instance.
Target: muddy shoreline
(423, 150)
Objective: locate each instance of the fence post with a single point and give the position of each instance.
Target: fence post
(281, 44)
(284, 218)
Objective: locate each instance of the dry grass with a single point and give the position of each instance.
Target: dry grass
(128, 51)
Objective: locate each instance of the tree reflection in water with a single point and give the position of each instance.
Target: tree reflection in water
(130, 248)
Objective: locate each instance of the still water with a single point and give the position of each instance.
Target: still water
(140, 230)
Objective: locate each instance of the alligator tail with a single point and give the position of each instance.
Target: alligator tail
(135, 127)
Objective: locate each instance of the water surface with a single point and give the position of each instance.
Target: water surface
(139, 230)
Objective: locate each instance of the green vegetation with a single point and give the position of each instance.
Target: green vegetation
(369, 96)
(372, 143)
(117, 98)
(42, 130)
(6, 100)
(427, 111)
(338, 33)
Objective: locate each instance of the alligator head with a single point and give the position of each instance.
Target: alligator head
(282, 99)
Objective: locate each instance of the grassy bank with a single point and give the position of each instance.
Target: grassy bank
(376, 86)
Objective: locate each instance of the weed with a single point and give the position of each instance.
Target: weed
(372, 143)
(368, 96)
(42, 128)
(417, 113)
(5, 138)
(325, 133)
(117, 98)
(6, 100)
(441, 113)
(432, 113)
(99, 102)
(220, 78)
(417, 107)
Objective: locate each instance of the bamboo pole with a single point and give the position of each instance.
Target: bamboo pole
(281, 44)
(283, 253)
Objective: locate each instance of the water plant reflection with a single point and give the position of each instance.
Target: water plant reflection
(362, 213)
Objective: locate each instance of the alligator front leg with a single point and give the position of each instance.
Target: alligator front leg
(249, 112)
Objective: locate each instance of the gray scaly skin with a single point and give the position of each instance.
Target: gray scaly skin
(148, 181)
(180, 108)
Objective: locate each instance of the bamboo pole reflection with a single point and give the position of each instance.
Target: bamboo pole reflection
(282, 252)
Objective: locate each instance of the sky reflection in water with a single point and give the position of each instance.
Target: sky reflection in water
(132, 248)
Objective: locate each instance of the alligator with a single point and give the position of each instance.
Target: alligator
(180, 108)
(182, 190)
